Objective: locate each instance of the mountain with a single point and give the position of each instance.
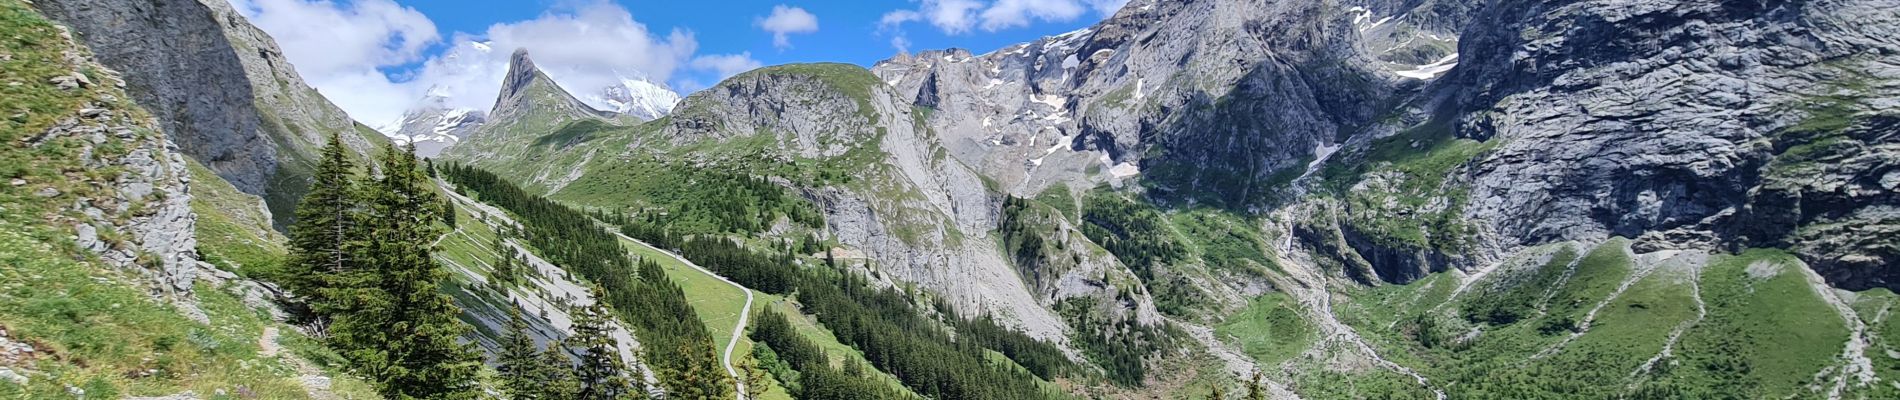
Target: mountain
(637, 97)
(529, 107)
(433, 126)
(148, 201)
(1299, 199)
(1405, 196)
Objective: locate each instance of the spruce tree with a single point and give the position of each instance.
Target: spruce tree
(555, 374)
(506, 271)
(327, 232)
(518, 361)
(601, 372)
(406, 336)
(754, 378)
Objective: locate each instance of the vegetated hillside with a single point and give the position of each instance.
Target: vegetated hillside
(120, 252)
(1360, 199)
(1387, 194)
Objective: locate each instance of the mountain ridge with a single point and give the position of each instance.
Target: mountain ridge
(1418, 199)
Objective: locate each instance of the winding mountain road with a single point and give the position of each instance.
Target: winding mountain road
(738, 330)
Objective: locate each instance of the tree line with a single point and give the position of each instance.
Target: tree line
(894, 334)
(806, 370)
(677, 345)
(695, 200)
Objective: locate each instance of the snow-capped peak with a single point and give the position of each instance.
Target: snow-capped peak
(637, 97)
(432, 125)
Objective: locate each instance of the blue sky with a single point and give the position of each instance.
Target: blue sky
(848, 29)
(376, 57)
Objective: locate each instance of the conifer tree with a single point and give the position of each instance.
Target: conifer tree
(405, 334)
(601, 372)
(754, 378)
(327, 231)
(506, 271)
(555, 374)
(518, 361)
(1255, 391)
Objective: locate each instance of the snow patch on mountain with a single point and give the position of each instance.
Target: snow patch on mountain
(432, 125)
(637, 97)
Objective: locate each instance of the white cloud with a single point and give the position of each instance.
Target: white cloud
(584, 49)
(341, 48)
(892, 23)
(951, 16)
(787, 20)
(726, 65)
(895, 18)
(1018, 13)
(901, 43)
(338, 48)
(957, 17)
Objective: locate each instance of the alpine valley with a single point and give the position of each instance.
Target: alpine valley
(1191, 199)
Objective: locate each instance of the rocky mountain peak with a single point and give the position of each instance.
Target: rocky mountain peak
(638, 97)
(432, 124)
(526, 90)
(521, 74)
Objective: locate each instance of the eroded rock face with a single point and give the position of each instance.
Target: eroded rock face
(1209, 101)
(134, 210)
(219, 87)
(920, 216)
(1689, 124)
(185, 67)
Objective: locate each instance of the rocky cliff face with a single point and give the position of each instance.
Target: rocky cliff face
(1689, 124)
(220, 88)
(528, 111)
(135, 213)
(1214, 102)
(920, 216)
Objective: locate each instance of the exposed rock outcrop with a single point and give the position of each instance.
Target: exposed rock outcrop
(1689, 124)
(1210, 101)
(128, 199)
(432, 126)
(219, 87)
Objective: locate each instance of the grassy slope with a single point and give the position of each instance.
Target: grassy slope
(93, 331)
(1764, 336)
(717, 303)
(1270, 329)
(233, 230)
(639, 180)
(468, 251)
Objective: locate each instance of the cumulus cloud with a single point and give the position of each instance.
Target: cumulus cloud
(785, 21)
(342, 50)
(952, 16)
(727, 65)
(1017, 13)
(956, 17)
(339, 48)
(892, 24)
